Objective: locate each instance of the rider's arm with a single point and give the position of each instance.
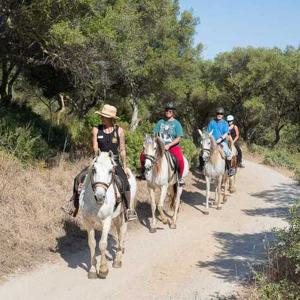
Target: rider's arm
(174, 142)
(94, 140)
(237, 133)
(122, 147)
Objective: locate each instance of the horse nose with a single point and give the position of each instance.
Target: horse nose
(100, 196)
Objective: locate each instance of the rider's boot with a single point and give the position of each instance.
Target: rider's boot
(71, 206)
(130, 213)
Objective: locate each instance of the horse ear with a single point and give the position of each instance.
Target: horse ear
(200, 132)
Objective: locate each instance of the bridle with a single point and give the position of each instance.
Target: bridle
(152, 159)
(208, 153)
(94, 184)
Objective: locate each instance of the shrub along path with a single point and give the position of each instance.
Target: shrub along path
(205, 257)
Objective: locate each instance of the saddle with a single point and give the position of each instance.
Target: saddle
(172, 163)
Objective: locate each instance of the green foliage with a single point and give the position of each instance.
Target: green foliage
(282, 278)
(190, 151)
(27, 136)
(279, 157)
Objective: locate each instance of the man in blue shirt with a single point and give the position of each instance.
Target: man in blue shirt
(219, 128)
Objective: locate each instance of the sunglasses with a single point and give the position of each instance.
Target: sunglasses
(221, 114)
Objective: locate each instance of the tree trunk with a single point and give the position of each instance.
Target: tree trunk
(277, 135)
(12, 81)
(135, 112)
(61, 108)
(4, 82)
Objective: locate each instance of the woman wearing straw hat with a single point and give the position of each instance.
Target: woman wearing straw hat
(107, 137)
(110, 137)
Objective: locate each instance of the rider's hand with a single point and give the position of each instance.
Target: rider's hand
(167, 147)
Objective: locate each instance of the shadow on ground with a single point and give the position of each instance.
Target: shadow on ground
(73, 246)
(281, 196)
(239, 254)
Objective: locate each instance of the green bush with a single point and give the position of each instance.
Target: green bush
(282, 277)
(279, 157)
(190, 151)
(25, 143)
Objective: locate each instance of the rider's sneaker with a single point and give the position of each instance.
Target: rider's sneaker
(131, 215)
(181, 182)
(141, 177)
(231, 172)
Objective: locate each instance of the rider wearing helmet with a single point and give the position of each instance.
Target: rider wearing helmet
(234, 132)
(219, 128)
(170, 131)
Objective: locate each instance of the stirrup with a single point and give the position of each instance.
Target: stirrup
(131, 215)
(181, 182)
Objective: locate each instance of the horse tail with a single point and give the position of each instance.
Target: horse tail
(172, 204)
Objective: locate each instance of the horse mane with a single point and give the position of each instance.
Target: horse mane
(160, 151)
(215, 153)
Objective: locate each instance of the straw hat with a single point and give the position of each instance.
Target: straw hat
(108, 111)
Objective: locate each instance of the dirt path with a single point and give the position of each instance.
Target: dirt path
(205, 257)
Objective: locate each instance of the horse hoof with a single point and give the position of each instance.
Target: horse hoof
(102, 275)
(232, 191)
(219, 207)
(164, 221)
(173, 226)
(225, 200)
(92, 275)
(117, 264)
(205, 212)
(152, 230)
(123, 250)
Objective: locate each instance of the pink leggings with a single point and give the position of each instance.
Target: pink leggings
(176, 151)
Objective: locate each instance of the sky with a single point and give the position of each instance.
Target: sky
(225, 24)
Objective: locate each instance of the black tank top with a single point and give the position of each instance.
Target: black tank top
(232, 132)
(108, 141)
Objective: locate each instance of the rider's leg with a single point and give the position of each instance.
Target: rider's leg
(130, 212)
(177, 152)
(228, 155)
(142, 161)
(239, 155)
(72, 205)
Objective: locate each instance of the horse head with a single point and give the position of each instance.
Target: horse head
(102, 175)
(153, 151)
(207, 143)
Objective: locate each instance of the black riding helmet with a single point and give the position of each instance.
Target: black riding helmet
(170, 105)
(220, 110)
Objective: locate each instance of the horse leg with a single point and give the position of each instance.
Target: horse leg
(232, 188)
(153, 210)
(121, 227)
(103, 270)
(92, 274)
(160, 207)
(218, 192)
(177, 202)
(207, 194)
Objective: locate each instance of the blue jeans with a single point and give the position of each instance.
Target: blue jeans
(226, 150)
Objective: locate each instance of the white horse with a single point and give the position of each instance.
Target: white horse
(214, 167)
(99, 207)
(159, 173)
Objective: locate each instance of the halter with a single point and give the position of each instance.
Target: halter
(103, 184)
(208, 152)
(152, 160)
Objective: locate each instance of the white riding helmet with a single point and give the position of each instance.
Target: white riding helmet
(230, 118)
